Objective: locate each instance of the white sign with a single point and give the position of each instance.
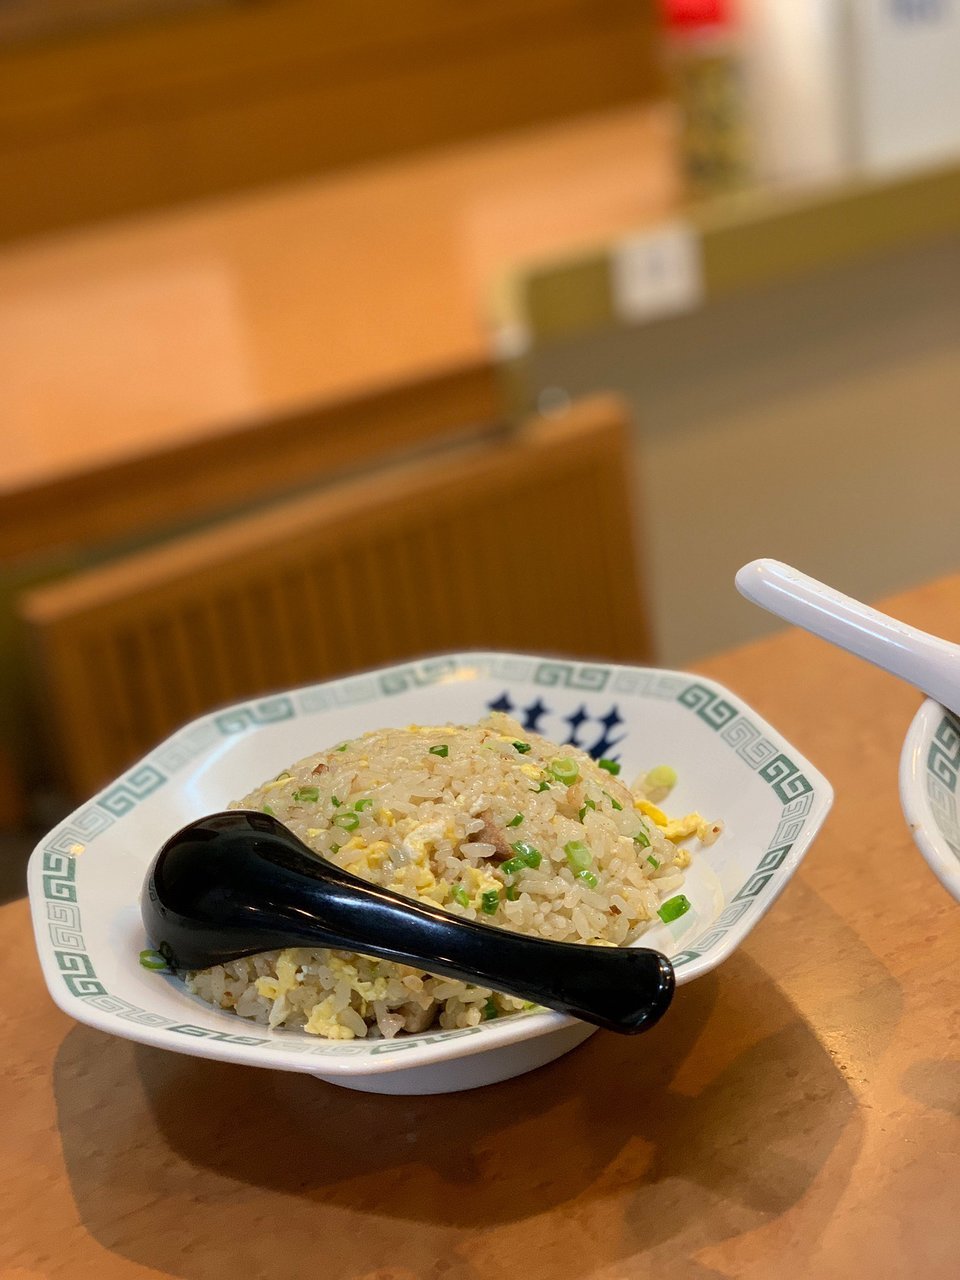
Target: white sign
(657, 273)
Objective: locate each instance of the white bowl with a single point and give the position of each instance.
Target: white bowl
(929, 766)
(85, 877)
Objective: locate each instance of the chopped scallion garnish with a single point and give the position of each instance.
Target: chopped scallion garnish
(365, 803)
(611, 766)
(654, 862)
(152, 960)
(460, 895)
(267, 809)
(515, 820)
(513, 866)
(440, 750)
(343, 746)
(564, 770)
(662, 778)
(587, 804)
(588, 878)
(544, 786)
(673, 908)
(616, 803)
(335, 848)
(490, 1010)
(489, 901)
(335, 802)
(283, 775)
(642, 839)
(346, 821)
(527, 852)
(578, 855)
(513, 893)
(310, 794)
(522, 747)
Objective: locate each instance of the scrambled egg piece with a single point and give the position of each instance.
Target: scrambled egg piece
(676, 829)
(480, 882)
(362, 858)
(372, 990)
(323, 1022)
(651, 811)
(286, 979)
(679, 828)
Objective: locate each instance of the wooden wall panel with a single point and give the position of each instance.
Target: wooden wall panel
(146, 114)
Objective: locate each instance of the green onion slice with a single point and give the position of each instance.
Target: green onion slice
(460, 895)
(489, 901)
(531, 856)
(616, 803)
(663, 777)
(365, 803)
(544, 786)
(513, 893)
(642, 839)
(611, 766)
(522, 747)
(588, 878)
(564, 770)
(515, 820)
(490, 1010)
(578, 855)
(152, 960)
(310, 794)
(653, 861)
(266, 809)
(346, 821)
(440, 750)
(673, 908)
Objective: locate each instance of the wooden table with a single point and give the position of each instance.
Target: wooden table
(796, 1114)
(194, 356)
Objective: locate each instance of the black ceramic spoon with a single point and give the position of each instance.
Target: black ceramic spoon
(240, 882)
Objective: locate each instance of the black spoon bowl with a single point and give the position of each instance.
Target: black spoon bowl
(239, 882)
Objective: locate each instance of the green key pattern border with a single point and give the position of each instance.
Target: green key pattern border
(942, 769)
(743, 737)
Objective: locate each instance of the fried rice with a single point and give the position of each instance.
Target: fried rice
(490, 822)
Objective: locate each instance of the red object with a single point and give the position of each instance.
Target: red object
(698, 15)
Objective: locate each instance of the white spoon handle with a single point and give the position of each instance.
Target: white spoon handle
(926, 661)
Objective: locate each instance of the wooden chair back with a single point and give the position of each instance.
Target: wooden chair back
(523, 540)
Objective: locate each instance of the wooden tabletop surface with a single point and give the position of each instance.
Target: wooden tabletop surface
(131, 338)
(797, 1114)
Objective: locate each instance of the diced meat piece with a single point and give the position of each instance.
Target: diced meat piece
(491, 833)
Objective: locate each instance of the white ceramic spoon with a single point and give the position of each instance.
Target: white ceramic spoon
(926, 661)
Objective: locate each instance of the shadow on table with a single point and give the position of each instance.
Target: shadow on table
(713, 1123)
(934, 1083)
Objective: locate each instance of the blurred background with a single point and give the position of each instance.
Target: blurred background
(334, 335)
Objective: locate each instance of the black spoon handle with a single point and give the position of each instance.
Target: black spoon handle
(240, 882)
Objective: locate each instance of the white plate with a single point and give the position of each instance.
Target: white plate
(929, 766)
(85, 877)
